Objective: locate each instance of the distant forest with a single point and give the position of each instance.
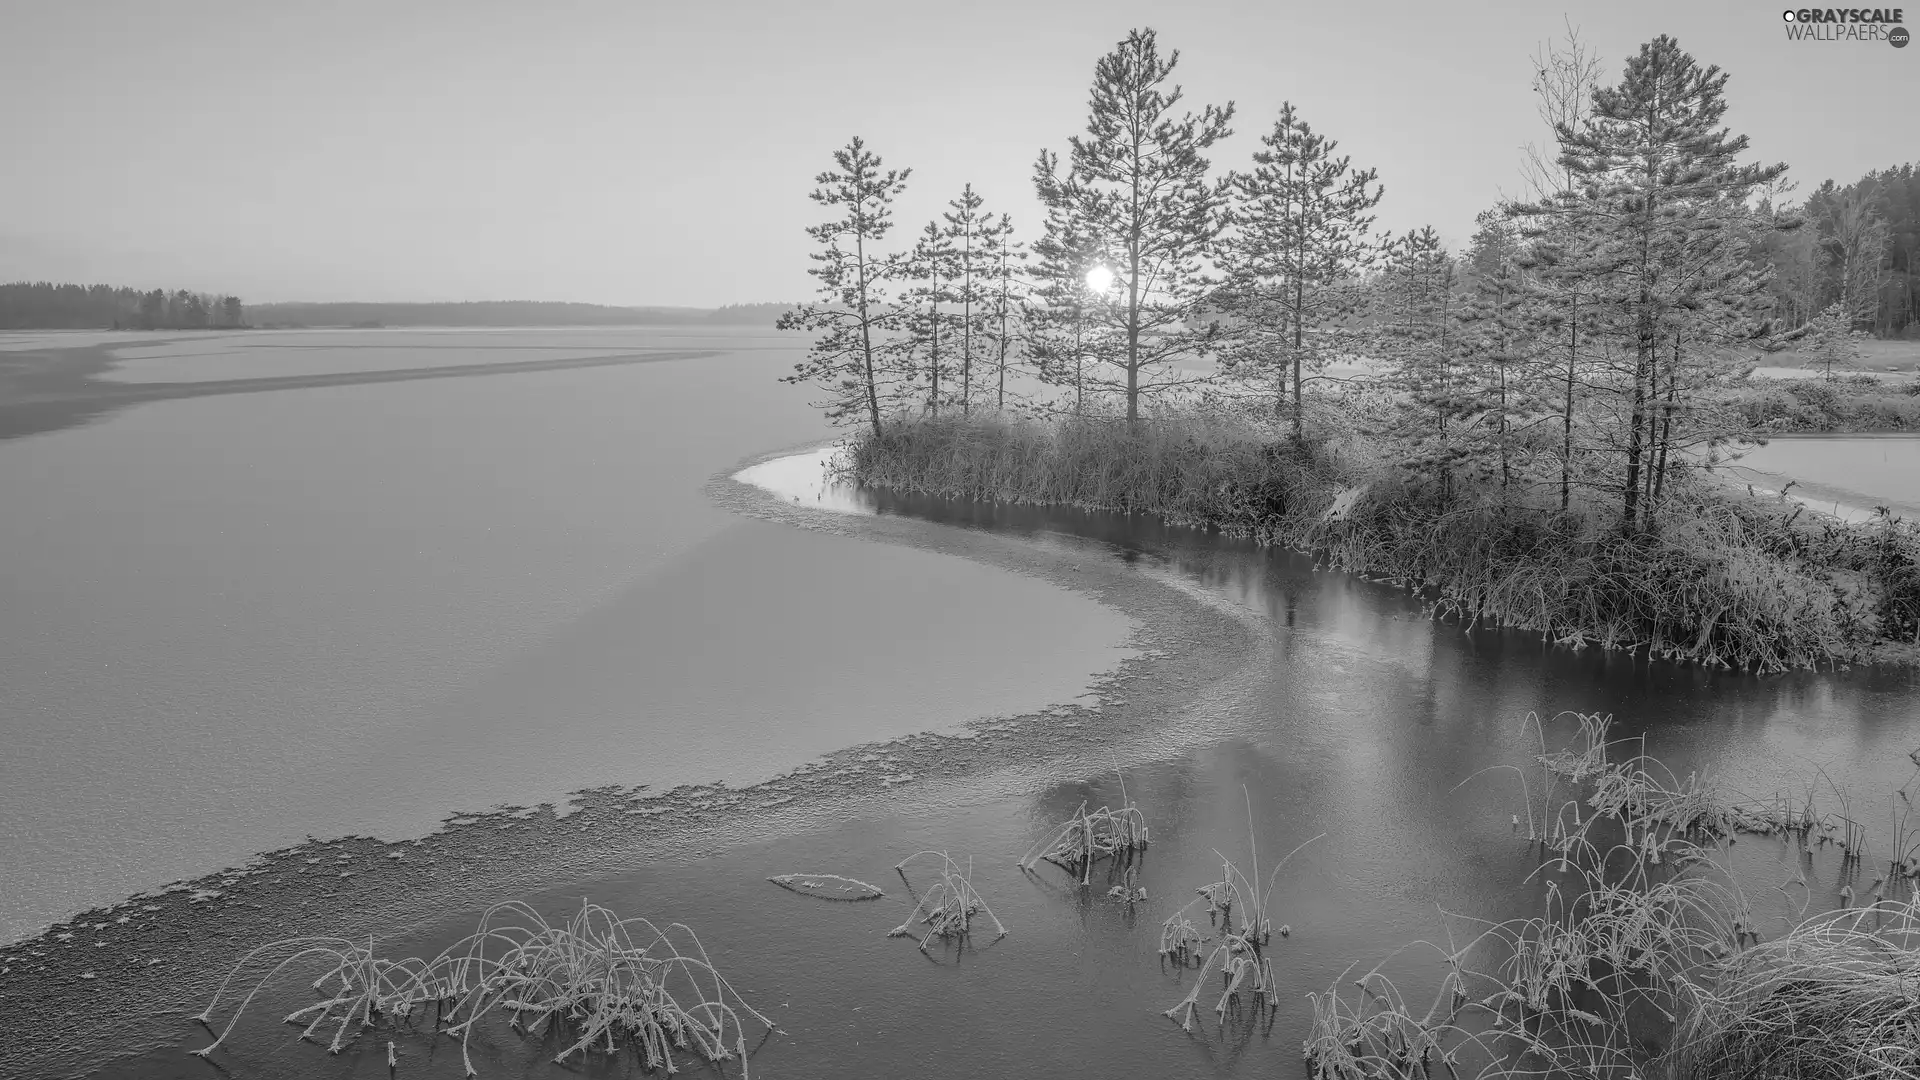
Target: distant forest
(1811, 266)
(42, 305)
(46, 306)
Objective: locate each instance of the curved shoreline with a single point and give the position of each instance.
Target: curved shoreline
(155, 957)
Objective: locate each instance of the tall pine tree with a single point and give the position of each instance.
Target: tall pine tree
(931, 265)
(847, 359)
(1559, 252)
(1652, 156)
(967, 240)
(1414, 337)
(1496, 340)
(1005, 297)
(1144, 170)
(1301, 219)
(1057, 332)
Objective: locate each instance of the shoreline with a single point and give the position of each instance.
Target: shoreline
(154, 958)
(50, 389)
(1296, 499)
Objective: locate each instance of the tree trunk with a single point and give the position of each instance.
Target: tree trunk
(1643, 348)
(1280, 390)
(1299, 331)
(866, 334)
(1133, 294)
(1566, 434)
(966, 330)
(1133, 343)
(1079, 364)
(1666, 422)
(933, 320)
(1000, 403)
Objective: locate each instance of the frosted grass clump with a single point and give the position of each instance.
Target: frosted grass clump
(1241, 954)
(948, 907)
(595, 979)
(1092, 835)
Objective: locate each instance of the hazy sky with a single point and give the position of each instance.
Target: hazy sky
(650, 152)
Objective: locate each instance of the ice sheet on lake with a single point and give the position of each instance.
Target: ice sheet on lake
(802, 478)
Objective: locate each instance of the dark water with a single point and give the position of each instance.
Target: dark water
(1371, 719)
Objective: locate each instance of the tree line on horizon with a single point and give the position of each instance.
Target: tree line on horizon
(1587, 337)
(44, 305)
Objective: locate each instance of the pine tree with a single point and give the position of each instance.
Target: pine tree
(1414, 337)
(1057, 336)
(1831, 341)
(931, 264)
(1143, 174)
(1649, 165)
(1301, 218)
(846, 360)
(1559, 246)
(1496, 339)
(1005, 299)
(967, 238)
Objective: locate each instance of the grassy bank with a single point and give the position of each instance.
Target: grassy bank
(1743, 583)
(1847, 404)
(1649, 958)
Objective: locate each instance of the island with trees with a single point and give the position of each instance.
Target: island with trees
(1525, 431)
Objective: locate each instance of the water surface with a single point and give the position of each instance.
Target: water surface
(231, 622)
(1844, 475)
(1370, 720)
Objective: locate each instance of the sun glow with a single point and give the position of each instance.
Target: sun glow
(1099, 279)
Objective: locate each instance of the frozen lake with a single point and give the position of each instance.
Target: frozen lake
(233, 621)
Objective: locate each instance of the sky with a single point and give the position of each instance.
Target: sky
(661, 151)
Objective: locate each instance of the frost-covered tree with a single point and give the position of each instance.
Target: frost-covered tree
(1141, 172)
(852, 316)
(1301, 220)
(1496, 339)
(1413, 331)
(931, 265)
(1655, 173)
(1005, 294)
(1058, 338)
(1558, 242)
(967, 239)
(1831, 341)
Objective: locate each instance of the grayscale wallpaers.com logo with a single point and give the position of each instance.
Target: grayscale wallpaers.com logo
(1847, 24)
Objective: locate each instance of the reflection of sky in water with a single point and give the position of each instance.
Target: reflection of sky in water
(802, 479)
